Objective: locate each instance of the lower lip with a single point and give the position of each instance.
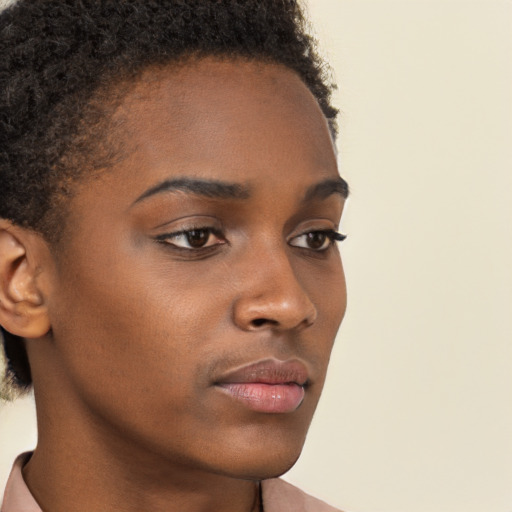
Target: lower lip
(268, 398)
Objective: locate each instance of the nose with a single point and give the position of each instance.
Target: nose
(273, 297)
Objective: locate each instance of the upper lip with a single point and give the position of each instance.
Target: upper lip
(268, 371)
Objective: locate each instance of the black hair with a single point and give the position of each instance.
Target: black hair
(57, 56)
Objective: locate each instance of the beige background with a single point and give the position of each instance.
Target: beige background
(417, 413)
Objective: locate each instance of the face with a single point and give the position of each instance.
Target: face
(199, 286)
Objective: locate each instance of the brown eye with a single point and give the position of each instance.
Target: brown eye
(193, 239)
(197, 238)
(316, 240)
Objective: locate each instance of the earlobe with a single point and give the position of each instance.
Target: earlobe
(22, 307)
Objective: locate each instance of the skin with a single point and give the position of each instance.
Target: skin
(142, 329)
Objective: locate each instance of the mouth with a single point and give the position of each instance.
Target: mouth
(269, 386)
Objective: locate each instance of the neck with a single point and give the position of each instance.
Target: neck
(63, 480)
(80, 466)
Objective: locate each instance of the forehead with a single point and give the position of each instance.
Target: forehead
(246, 123)
(207, 108)
(215, 84)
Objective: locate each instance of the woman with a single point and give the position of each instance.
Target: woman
(170, 281)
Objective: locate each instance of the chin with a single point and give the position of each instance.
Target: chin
(275, 468)
(261, 469)
(269, 458)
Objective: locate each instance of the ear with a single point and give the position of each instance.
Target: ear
(22, 306)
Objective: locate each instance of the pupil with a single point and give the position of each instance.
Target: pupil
(316, 240)
(197, 237)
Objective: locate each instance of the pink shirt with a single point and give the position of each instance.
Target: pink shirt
(278, 495)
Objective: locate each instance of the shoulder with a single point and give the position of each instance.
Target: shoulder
(281, 496)
(17, 497)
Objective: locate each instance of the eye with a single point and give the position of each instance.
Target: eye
(317, 240)
(193, 239)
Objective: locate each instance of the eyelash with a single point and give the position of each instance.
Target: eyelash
(166, 239)
(331, 235)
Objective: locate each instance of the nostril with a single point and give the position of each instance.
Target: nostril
(258, 322)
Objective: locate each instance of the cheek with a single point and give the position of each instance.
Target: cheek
(132, 329)
(337, 302)
(327, 289)
(139, 313)
(326, 286)
(139, 348)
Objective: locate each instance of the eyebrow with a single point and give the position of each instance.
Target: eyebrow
(326, 188)
(223, 190)
(201, 187)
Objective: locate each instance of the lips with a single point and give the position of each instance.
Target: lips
(269, 386)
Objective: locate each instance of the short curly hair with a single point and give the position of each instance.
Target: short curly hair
(60, 62)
